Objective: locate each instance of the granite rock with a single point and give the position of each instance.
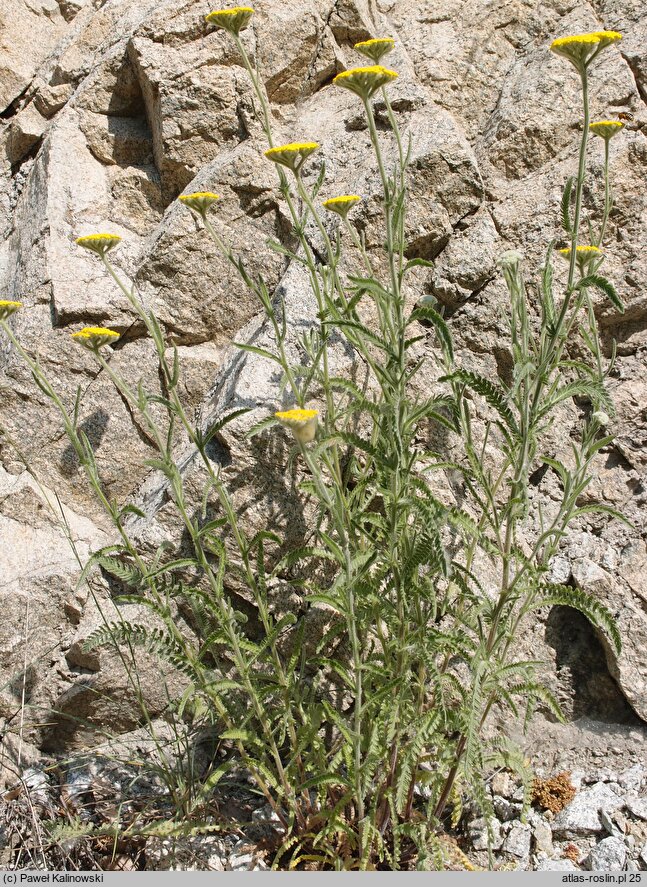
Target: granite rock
(581, 816)
(609, 855)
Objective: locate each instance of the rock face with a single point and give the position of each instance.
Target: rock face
(609, 855)
(111, 109)
(601, 829)
(582, 815)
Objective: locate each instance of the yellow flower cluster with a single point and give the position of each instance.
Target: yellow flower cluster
(376, 48)
(607, 38)
(584, 251)
(302, 423)
(365, 82)
(94, 337)
(342, 204)
(99, 243)
(580, 48)
(8, 307)
(233, 20)
(199, 201)
(293, 154)
(584, 255)
(606, 129)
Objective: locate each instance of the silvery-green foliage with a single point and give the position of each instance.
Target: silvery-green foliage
(363, 745)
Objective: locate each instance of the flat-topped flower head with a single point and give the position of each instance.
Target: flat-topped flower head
(606, 129)
(99, 243)
(233, 20)
(608, 38)
(583, 250)
(584, 255)
(376, 48)
(342, 204)
(579, 48)
(365, 82)
(94, 337)
(199, 201)
(302, 423)
(8, 307)
(292, 155)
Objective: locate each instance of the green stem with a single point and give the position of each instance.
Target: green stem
(607, 195)
(332, 258)
(402, 177)
(553, 350)
(579, 190)
(227, 616)
(86, 462)
(180, 412)
(260, 95)
(396, 307)
(152, 434)
(303, 193)
(395, 324)
(285, 366)
(336, 512)
(359, 246)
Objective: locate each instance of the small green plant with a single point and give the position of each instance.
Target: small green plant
(342, 740)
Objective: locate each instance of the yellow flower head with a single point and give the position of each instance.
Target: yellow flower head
(292, 155)
(233, 20)
(94, 337)
(606, 129)
(579, 48)
(585, 251)
(341, 205)
(8, 307)
(302, 423)
(608, 38)
(364, 82)
(584, 255)
(99, 243)
(376, 48)
(199, 201)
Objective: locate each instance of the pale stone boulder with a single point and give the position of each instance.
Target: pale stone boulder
(28, 32)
